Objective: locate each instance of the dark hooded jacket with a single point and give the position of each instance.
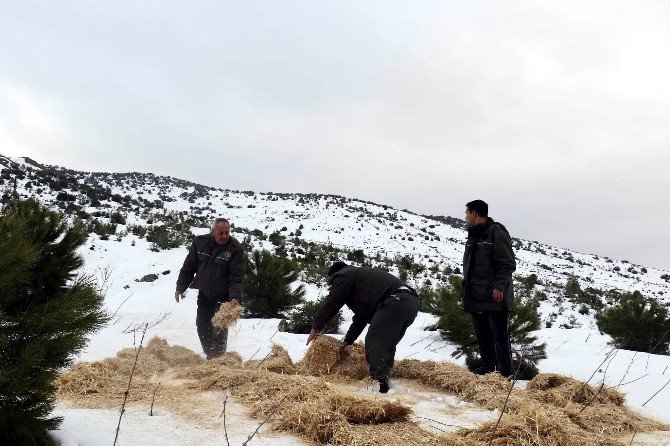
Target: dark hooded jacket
(218, 269)
(488, 263)
(361, 289)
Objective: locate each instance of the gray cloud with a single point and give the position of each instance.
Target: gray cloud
(554, 113)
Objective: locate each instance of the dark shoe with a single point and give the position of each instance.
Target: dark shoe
(383, 385)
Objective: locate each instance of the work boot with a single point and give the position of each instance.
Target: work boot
(383, 385)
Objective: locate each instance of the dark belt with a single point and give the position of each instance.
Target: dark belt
(394, 295)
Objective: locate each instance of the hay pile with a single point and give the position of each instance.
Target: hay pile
(227, 315)
(322, 354)
(533, 424)
(444, 376)
(560, 390)
(352, 363)
(277, 361)
(91, 384)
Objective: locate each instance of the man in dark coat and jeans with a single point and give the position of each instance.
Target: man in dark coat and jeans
(376, 298)
(217, 261)
(488, 295)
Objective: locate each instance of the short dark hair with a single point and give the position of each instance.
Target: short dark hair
(335, 267)
(220, 220)
(478, 206)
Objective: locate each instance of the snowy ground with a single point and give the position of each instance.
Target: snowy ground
(579, 353)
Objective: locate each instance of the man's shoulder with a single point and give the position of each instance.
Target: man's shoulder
(234, 244)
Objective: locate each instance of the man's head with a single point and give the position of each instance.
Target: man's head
(335, 267)
(221, 231)
(476, 212)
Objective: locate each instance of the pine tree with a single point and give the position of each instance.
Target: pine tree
(267, 285)
(45, 314)
(456, 327)
(638, 324)
(300, 320)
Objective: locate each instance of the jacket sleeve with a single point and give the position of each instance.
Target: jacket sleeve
(503, 257)
(355, 329)
(339, 291)
(188, 269)
(236, 276)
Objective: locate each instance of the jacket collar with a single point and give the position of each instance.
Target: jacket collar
(477, 231)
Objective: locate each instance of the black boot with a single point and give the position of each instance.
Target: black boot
(383, 385)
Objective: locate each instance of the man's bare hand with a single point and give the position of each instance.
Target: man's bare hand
(234, 302)
(312, 335)
(177, 295)
(498, 295)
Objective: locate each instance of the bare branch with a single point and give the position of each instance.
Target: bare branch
(130, 380)
(274, 409)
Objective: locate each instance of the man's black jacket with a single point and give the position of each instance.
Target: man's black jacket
(488, 263)
(218, 269)
(361, 289)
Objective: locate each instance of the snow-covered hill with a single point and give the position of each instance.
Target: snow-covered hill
(132, 215)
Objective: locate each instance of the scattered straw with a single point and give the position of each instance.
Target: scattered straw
(227, 315)
(552, 410)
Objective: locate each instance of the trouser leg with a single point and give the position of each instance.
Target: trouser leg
(213, 341)
(387, 328)
(500, 330)
(219, 341)
(484, 335)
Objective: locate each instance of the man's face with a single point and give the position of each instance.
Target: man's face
(470, 217)
(221, 233)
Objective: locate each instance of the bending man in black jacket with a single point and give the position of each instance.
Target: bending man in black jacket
(217, 261)
(378, 298)
(488, 295)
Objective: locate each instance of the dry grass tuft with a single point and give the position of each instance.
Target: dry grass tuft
(227, 315)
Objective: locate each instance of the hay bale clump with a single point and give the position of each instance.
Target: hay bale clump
(277, 361)
(445, 376)
(352, 363)
(489, 391)
(322, 355)
(561, 390)
(369, 410)
(611, 420)
(227, 315)
(533, 425)
(211, 367)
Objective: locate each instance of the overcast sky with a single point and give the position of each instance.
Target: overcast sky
(557, 112)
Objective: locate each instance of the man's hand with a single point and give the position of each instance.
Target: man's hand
(498, 295)
(234, 302)
(312, 336)
(177, 294)
(343, 345)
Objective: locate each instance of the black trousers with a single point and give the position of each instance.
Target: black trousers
(213, 340)
(387, 328)
(491, 330)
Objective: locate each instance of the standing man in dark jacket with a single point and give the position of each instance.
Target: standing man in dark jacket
(488, 295)
(376, 298)
(217, 261)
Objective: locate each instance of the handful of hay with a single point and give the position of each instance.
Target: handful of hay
(227, 315)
